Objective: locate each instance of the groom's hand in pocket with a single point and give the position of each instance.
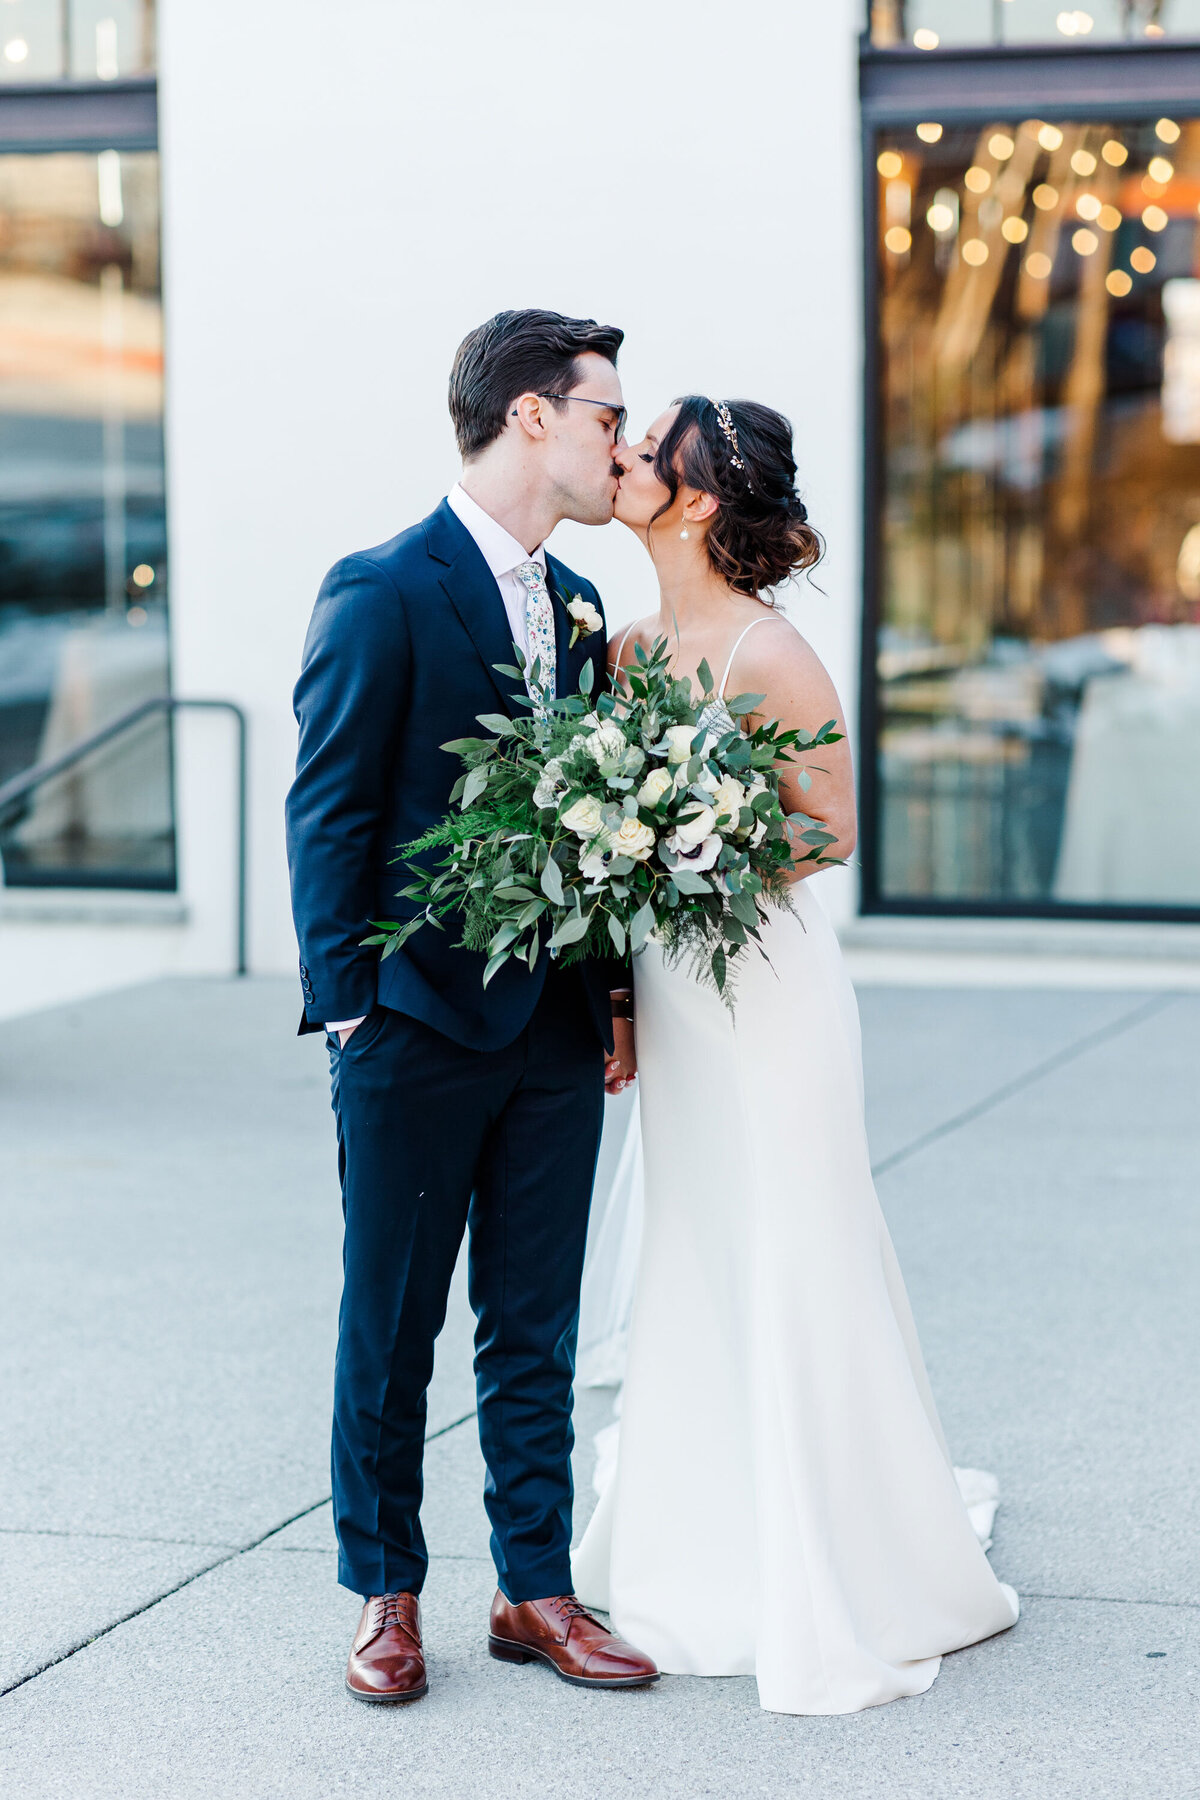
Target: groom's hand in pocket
(621, 1067)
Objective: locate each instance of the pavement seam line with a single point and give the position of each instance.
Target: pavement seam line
(1110, 1600)
(1070, 1053)
(115, 1537)
(177, 1587)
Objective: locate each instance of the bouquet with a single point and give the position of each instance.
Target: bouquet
(588, 826)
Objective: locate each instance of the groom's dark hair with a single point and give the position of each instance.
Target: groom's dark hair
(528, 352)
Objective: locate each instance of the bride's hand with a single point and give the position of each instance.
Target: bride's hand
(621, 1067)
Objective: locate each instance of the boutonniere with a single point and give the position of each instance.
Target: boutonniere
(585, 620)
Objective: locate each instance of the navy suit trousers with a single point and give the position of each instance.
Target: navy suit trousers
(434, 1138)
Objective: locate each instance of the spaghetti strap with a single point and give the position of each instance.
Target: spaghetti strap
(622, 644)
(736, 648)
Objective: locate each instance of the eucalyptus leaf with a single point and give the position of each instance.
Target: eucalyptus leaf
(571, 930)
(641, 927)
(500, 723)
(474, 785)
(587, 676)
(616, 932)
(552, 885)
(495, 963)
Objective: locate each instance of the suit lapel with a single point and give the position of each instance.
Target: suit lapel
(471, 589)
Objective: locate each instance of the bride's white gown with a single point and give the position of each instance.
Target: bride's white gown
(782, 1502)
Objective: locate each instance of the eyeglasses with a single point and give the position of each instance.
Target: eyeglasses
(622, 412)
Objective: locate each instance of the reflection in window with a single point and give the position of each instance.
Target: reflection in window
(1039, 649)
(942, 24)
(83, 613)
(83, 40)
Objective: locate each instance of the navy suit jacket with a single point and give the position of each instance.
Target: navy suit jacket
(399, 659)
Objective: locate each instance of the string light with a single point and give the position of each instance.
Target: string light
(940, 217)
(1114, 153)
(1167, 131)
(975, 252)
(1083, 162)
(1050, 137)
(1038, 265)
(16, 50)
(1088, 207)
(926, 39)
(977, 179)
(1143, 260)
(1154, 219)
(889, 164)
(898, 240)
(1118, 282)
(1109, 217)
(1001, 146)
(1045, 197)
(1015, 230)
(1159, 169)
(929, 132)
(1085, 242)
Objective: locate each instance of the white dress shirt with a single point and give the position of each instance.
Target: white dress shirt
(501, 552)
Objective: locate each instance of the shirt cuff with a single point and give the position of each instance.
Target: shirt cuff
(332, 1025)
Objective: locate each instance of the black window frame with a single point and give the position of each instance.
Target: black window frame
(971, 86)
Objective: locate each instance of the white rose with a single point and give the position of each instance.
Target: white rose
(587, 619)
(585, 818)
(678, 739)
(729, 799)
(657, 783)
(607, 740)
(708, 781)
(700, 825)
(633, 839)
(699, 856)
(758, 834)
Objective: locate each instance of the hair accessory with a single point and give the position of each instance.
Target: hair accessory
(725, 421)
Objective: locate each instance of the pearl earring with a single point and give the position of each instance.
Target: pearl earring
(684, 534)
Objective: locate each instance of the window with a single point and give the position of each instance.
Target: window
(1036, 623)
(83, 553)
(78, 40)
(936, 24)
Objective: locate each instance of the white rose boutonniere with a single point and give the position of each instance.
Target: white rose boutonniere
(585, 620)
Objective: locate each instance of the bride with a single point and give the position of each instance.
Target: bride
(783, 1502)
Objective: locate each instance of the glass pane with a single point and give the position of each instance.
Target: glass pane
(930, 24)
(83, 573)
(89, 40)
(31, 40)
(1039, 648)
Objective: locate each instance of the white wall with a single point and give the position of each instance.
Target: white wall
(350, 186)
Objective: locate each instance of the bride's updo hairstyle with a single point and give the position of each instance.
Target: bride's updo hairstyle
(741, 454)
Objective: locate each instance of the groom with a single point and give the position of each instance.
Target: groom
(458, 1107)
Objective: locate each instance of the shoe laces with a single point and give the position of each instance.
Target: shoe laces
(568, 1608)
(386, 1612)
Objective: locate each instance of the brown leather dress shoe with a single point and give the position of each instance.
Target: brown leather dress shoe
(563, 1633)
(387, 1662)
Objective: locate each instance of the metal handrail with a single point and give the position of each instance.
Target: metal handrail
(30, 779)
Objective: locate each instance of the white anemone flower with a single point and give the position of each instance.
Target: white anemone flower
(698, 856)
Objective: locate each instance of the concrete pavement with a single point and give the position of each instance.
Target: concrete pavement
(171, 1623)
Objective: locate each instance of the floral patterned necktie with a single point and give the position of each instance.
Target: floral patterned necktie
(539, 627)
